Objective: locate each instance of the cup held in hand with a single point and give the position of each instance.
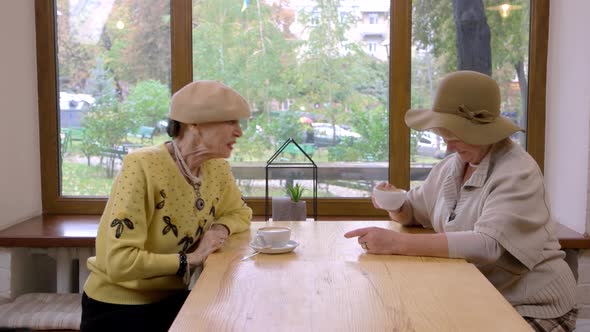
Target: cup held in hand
(273, 236)
(389, 199)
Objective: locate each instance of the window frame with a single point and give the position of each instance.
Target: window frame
(181, 74)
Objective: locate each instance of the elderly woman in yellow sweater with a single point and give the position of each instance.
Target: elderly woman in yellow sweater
(171, 206)
(486, 203)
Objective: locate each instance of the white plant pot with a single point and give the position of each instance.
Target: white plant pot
(284, 209)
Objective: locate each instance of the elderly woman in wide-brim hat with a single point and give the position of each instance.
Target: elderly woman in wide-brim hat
(486, 203)
(170, 207)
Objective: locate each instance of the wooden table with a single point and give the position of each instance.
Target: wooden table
(330, 284)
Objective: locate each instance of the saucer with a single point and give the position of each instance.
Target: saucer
(280, 250)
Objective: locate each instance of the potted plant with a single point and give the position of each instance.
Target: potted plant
(295, 192)
(290, 208)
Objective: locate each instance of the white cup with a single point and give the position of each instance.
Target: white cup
(273, 236)
(389, 199)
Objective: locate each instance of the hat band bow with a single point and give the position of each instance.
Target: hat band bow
(479, 116)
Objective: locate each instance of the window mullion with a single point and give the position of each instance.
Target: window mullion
(538, 45)
(181, 43)
(399, 92)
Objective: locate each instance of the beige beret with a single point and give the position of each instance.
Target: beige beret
(207, 101)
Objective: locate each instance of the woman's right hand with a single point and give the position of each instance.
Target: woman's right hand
(212, 240)
(403, 215)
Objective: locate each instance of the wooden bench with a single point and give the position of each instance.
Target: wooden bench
(572, 242)
(42, 311)
(145, 133)
(110, 155)
(69, 239)
(52, 231)
(57, 234)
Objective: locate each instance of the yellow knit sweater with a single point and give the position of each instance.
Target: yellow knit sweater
(150, 216)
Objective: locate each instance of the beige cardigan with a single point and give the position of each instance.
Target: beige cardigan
(504, 199)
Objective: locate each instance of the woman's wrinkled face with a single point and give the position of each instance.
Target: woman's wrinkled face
(219, 137)
(469, 153)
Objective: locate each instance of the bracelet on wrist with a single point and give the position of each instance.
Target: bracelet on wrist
(183, 267)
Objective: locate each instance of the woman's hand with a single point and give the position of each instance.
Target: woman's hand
(398, 215)
(383, 241)
(384, 186)
(376, 240)
(212, 240)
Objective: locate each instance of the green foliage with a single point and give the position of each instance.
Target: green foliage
(245, 50)
(76, 58)
(323, 76)
(106, 125)
(370, 119)
(434, 33)
(255, 144)
(148, 101)
(345, 152)
(279, 126)
(295, 192)
(141, 50)
(433, 28)
(369, 76)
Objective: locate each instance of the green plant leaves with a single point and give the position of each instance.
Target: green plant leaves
(295, 192)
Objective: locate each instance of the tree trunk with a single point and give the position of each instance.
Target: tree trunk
(524, 90)
(473, 36)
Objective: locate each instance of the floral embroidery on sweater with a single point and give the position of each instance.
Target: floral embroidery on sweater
(169, 226)
(119, 224)
(160, 205)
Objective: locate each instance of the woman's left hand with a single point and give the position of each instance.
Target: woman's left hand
(376, 240)
(211, 241)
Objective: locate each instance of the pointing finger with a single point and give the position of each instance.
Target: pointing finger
(357, 232)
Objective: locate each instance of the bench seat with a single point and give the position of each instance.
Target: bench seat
(42, 311)
(51, 231)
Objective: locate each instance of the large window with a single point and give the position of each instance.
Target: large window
(114, 77)
(312, 56)
(107, 69)
(491, 38)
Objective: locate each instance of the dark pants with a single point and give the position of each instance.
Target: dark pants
(100, 316)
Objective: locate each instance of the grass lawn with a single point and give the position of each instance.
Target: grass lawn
(81, 180)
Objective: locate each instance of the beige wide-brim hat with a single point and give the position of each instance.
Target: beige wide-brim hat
(467, 103)
(207, 101)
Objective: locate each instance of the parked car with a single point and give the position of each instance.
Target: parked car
(431, 145)
(323, 134)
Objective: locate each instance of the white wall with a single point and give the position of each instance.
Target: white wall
(568, 112)
(567, 146)
(20, 180)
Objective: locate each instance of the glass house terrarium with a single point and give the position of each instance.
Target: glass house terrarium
(291, 165)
